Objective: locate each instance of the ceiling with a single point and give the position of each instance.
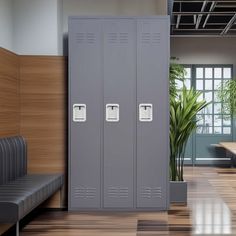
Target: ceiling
(204, 18)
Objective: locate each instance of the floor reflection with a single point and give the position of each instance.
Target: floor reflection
(211, 210)
(211, 216)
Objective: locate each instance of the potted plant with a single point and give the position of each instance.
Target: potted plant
(184, 106)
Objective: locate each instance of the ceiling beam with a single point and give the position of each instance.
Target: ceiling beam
(227, 13)
(206, 24)
(213, 4)
(202, 30)
(201, 36)
(193, 1)
(178, 21)
(179, 16)
(226, 6)
(229, 25)
(199, 17)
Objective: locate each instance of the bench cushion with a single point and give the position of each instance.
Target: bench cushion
(13, 158)
(19, 197)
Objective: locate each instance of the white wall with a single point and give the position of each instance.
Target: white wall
(112, 8)
(6, 24)
(60, 27)
(203, 50)
(36, 30)
(36, 27)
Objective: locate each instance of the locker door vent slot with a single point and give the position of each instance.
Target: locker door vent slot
(80, 37)
(112, 37)
(149, 192)
(151, 38)
(146, 38)
(85, 38)
(121, 38)
(91, 38)
(124, 38)
(119, 192)
(85, 192)
(156, 38)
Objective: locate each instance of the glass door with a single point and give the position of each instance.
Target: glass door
(213, 126)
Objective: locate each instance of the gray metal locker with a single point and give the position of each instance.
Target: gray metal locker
(119, 88)
(153, 136)
(118, 113)
(85, 68)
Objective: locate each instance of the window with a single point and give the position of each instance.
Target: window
(188, 78)
(211, 120)
(208, 80)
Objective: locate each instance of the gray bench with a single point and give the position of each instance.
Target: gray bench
(20, 192)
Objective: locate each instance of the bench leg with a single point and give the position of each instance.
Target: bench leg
(17, 228)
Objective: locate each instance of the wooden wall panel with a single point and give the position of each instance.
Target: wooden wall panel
(9, 100)
(9, 94)
(43, 116)
(33, 103)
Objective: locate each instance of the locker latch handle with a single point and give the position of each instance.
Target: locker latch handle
(112, 112)
(79, 112)
(145, 112)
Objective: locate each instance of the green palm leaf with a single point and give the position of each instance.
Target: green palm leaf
(183, 110)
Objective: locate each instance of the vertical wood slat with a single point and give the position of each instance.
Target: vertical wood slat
(43, 88)
(9, 94)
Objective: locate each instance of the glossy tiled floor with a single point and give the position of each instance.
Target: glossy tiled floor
(211, 210)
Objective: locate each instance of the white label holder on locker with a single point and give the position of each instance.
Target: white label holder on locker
(145, 112)
(79, 112)
(112, 112)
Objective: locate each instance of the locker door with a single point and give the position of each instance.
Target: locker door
(85, 68)
(153, 121)
(119, 106)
